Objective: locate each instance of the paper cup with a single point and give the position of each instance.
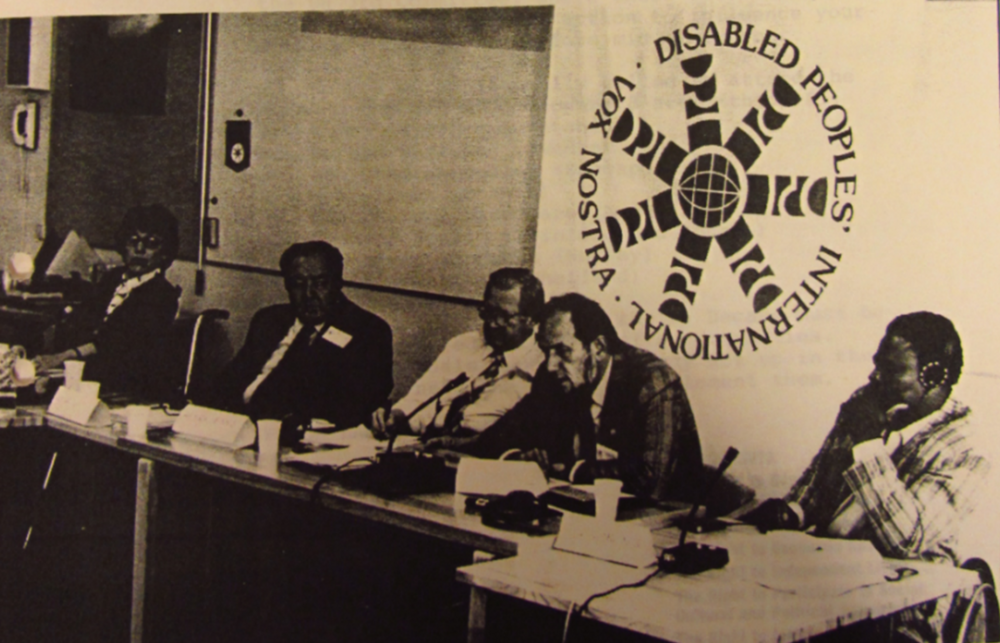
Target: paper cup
(24, 372)
(20, 266)
(74, 373)
(606, 493)
(268, 438)
(137, 417)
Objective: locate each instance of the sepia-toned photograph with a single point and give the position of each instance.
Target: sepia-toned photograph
(472, 321)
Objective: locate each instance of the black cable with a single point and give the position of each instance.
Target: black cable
(166, 409)
(330, 474)
(586, 604)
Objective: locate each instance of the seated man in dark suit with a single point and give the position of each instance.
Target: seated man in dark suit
(899, 467)
(122, 329)
(600, 408)
(320, 356)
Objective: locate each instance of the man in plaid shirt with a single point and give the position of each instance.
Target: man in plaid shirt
(898, 468)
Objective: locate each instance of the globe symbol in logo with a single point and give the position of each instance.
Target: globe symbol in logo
(708, 193)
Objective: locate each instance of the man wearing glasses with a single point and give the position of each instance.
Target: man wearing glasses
(498, 361)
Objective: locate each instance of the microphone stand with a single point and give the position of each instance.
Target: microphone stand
(457, 381)
(692, 558)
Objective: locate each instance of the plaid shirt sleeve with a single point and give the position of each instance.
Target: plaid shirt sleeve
(916, 507)
(820, 489)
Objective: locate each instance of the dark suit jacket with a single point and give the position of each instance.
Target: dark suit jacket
(646, 419)
(322, 380)
(131, 342)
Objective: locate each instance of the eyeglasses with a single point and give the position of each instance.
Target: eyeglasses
(497, 315)
(150, 241)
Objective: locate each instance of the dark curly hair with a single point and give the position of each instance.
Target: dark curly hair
(152, 219)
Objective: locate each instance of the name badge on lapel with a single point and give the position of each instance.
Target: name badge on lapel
(336, 337)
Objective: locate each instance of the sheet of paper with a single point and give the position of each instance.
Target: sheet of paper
(215, 427)
(625, 543)
(483, 477)
(75, 255)
(332, 456)
(82, 407)
(796, 562)
(337, 449)
(359, 436)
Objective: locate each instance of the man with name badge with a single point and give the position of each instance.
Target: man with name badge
(493, 367)
(319, 356)
(898, 468)
(600, 408)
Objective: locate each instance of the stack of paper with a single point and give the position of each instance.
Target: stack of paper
(337, 449)
(74, 256)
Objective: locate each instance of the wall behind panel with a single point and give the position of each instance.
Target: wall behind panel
(420, 327)
(23, 173)
(114, 145)
(420, 160)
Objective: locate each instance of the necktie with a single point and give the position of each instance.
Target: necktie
(456, 410)
(295, 338)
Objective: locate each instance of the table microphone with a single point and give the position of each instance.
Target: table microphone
(455, 382)
(692, 558)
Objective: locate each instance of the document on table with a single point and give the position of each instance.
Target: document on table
(337, 449)
(797, 563)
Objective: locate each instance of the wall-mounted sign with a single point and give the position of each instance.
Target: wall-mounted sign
(237, 145)
(726, 188)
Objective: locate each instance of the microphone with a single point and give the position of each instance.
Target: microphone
(692, 558)
(689, 521)
(455, 382)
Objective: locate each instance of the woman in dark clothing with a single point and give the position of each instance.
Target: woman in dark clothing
(121, 331)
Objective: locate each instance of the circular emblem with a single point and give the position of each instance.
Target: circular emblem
(716, 188)
(237, 153)
(708, 192)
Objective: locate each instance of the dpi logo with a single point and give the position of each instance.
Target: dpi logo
(711, 192)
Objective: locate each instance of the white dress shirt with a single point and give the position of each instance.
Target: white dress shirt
(468, 353)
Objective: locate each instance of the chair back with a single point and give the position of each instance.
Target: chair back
(199, 348)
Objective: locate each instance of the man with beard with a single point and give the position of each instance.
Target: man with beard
(898, 468)
(319, 356)
(498, 361)
(600, 408)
